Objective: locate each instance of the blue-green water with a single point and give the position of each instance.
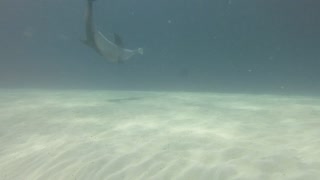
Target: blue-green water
(234, 46)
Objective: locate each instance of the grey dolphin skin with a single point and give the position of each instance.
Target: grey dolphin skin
(112, 51)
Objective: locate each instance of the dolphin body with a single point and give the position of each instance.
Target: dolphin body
(112, 51)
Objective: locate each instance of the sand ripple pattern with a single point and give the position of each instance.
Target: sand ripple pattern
(82, 135)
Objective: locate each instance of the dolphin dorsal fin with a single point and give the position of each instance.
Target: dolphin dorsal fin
(117, 40)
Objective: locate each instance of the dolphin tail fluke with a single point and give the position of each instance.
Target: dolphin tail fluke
(86, 42)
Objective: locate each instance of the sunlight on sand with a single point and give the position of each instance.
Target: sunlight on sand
(157, 135)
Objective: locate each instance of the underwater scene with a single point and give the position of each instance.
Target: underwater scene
(159, 90)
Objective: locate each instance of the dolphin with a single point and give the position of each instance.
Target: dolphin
(112, 51)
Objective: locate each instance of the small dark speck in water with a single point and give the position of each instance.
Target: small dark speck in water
(120, 100)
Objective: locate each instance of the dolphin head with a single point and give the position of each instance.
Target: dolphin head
(140, 51)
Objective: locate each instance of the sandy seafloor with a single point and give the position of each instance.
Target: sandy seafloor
(66, 134)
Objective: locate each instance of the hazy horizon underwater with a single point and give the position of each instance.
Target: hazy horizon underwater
(224, 90)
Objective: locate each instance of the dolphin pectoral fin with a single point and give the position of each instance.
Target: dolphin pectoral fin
(118, 40)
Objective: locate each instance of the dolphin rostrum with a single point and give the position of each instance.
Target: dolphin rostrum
(112, 51)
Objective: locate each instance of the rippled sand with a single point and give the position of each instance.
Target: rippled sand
(156, 135)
